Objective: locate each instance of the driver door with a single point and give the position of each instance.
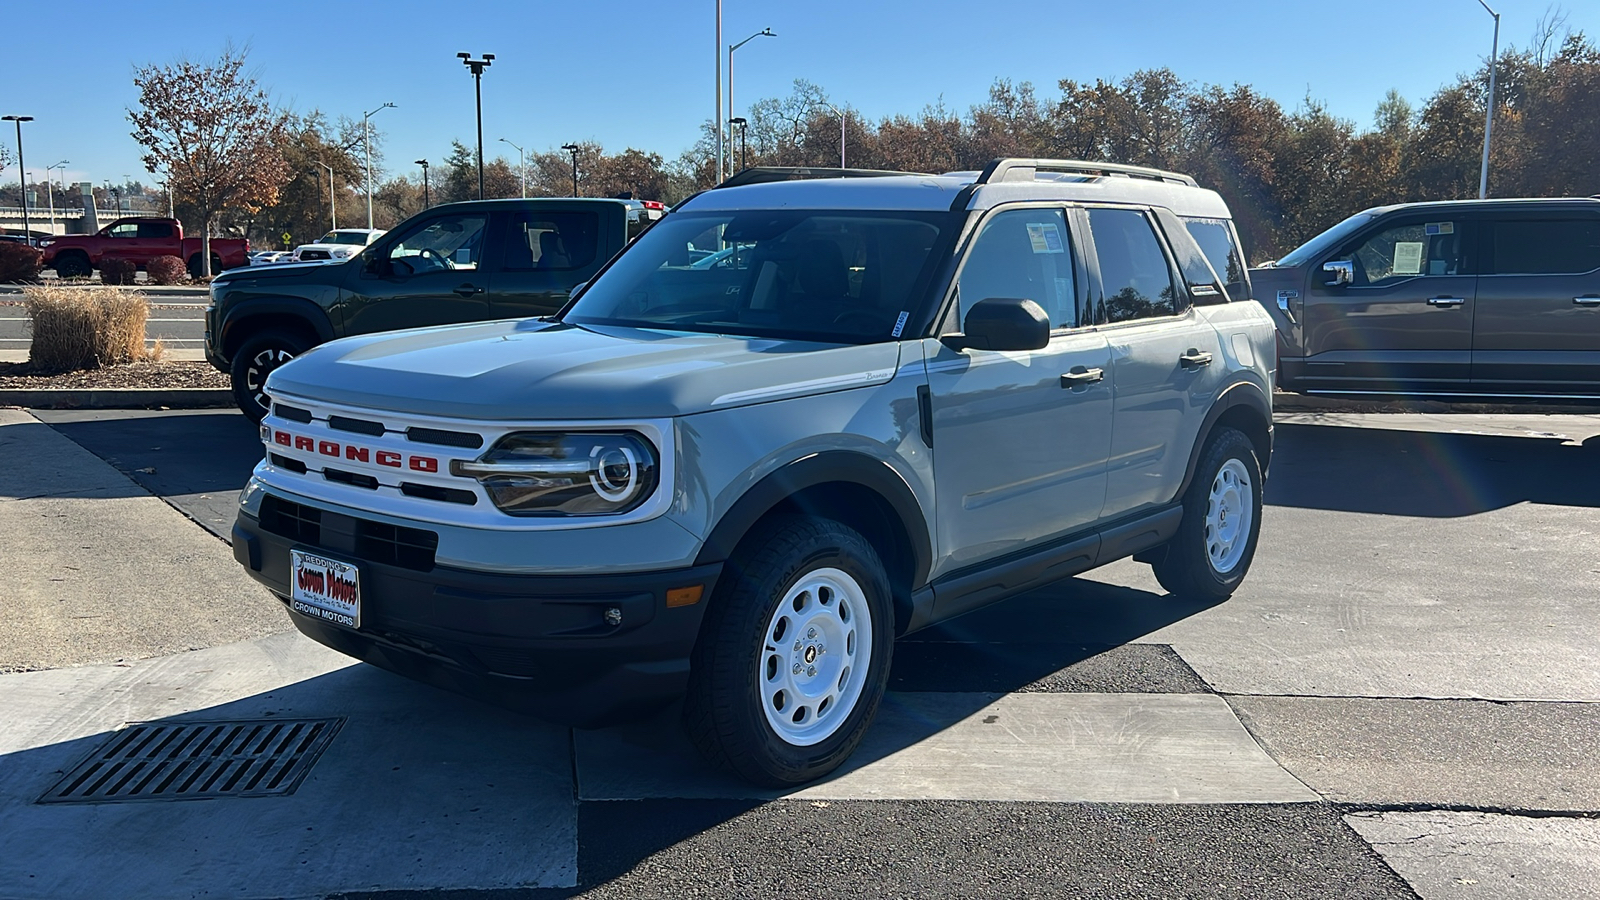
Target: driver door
(431, 274)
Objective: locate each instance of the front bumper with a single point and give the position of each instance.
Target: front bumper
(536, 643)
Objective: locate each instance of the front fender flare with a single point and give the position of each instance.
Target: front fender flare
(299, 308)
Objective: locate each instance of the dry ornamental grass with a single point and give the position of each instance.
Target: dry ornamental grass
(75, 328)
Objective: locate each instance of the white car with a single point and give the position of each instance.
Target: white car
(340, 243)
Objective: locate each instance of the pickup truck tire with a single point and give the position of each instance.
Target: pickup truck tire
(794, 653)
(195, 267)
(1216, 541)
(72, 264)
(254, 361)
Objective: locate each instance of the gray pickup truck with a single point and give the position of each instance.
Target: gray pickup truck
(736, 478)
(459, 262)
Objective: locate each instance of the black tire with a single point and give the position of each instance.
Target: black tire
(195, 270)
(1187, 566)
(254, 361)
(734, 664)
(72, 264)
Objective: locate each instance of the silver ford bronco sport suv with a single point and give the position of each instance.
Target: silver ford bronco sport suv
(887, 400)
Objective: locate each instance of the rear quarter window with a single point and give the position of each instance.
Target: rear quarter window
(1219, 243)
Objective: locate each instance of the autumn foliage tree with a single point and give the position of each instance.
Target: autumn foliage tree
(216, 135)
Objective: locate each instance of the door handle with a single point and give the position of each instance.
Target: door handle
(1194, 359)
(467, 290)
(1078, 376)
(1446, 302)
(1587, 301)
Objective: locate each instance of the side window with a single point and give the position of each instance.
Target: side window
(1134, 277)
(1408, 251)
(127, 230)
(441, 244)
(552, 240)
(155, 229)
(1022, 253)
(1216, 242)
(1552, 247)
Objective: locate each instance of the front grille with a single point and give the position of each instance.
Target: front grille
(284, 462)
(292, 413)
(359, 426)
(435, 492)
(351, 478)
(314, 254)
(445, 438)
(196, 760)
(389, 545)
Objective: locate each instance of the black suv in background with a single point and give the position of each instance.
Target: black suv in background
(1462, 299)
(459, 262)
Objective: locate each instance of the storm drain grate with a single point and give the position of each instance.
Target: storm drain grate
(198, 760)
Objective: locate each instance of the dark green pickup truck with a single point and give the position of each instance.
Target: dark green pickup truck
(460, 262)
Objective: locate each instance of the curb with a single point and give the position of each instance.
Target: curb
(118, 398)
(1283, 401)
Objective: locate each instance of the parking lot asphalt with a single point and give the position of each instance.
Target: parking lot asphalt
(1403, 700)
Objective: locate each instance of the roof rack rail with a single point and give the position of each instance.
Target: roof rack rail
(1025, 169)
(766, 174)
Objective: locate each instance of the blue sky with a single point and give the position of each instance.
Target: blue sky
(634, 73)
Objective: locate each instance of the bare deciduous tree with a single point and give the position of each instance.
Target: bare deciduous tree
(215, 133)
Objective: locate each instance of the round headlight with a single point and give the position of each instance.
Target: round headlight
(566, 473)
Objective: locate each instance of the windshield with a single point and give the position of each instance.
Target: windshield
(1313, 248)
(344, 237)
(851, 276)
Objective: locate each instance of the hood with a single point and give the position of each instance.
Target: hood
(274, 270)
(527, 369)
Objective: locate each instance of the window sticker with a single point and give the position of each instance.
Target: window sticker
(1440, 228)
(900, 323)
(1408, 258)
(1045, 237)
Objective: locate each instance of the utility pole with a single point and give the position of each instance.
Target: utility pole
(573, 149)
(50, 196)
(765, 32)
(716, 108)
(840, 113)
(427, 202)
(522, 167)
(22, 172)
(744, 144)
(1488, 124)
(366, 135)
(477, 66)
(333, 212)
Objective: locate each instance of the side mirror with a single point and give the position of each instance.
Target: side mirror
(1002, 323)
(400, 267)
(576, 290)
(1343, 272)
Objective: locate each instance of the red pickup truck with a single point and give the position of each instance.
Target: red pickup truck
(139, 239)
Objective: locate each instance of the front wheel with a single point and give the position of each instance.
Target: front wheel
(254, 361)
(1208, 558)
(794, 655)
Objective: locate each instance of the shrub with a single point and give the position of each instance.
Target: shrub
(19, 262)
(85, 328)
(167, 270)
(116, 271)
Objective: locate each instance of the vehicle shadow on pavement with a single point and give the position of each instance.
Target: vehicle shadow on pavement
(1426, 474)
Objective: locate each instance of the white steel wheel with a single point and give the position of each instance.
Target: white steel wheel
(1230, 508)
(814, 657)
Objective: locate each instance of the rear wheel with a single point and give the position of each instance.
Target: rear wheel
(794, 654)
(254, 361)
(1208, 558)
(195, 269)
(72, 264)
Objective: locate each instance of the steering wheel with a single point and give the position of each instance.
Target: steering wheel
(442, 261)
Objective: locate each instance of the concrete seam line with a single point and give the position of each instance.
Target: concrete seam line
(1256, 739)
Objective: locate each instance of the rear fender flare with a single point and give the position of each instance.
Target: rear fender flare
(1245, 396)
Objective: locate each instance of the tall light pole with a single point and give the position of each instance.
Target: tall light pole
(521, 167)
(333, 212)
(765, 32)
(22, 172)
(477, 66)
(573, 149)
(838, 112)
(427, 201)
(716, 108)
(744, 144)
(49, 195)
(1488, 124)
(366, 136)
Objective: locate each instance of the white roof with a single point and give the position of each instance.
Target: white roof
(938, 192)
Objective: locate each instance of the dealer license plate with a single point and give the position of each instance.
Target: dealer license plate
(325, 588)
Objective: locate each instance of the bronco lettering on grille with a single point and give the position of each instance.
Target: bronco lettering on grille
(357, 453)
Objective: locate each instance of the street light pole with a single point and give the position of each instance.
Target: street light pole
(522, 167)
(333, 211)
(427, 201)
(765, 32)
(744, 144)
(477, 66)
(573, 149)
(840, 114)
(716, 108)
(1488, 124)
(366, 136)
(22, 173)
(49, 195)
